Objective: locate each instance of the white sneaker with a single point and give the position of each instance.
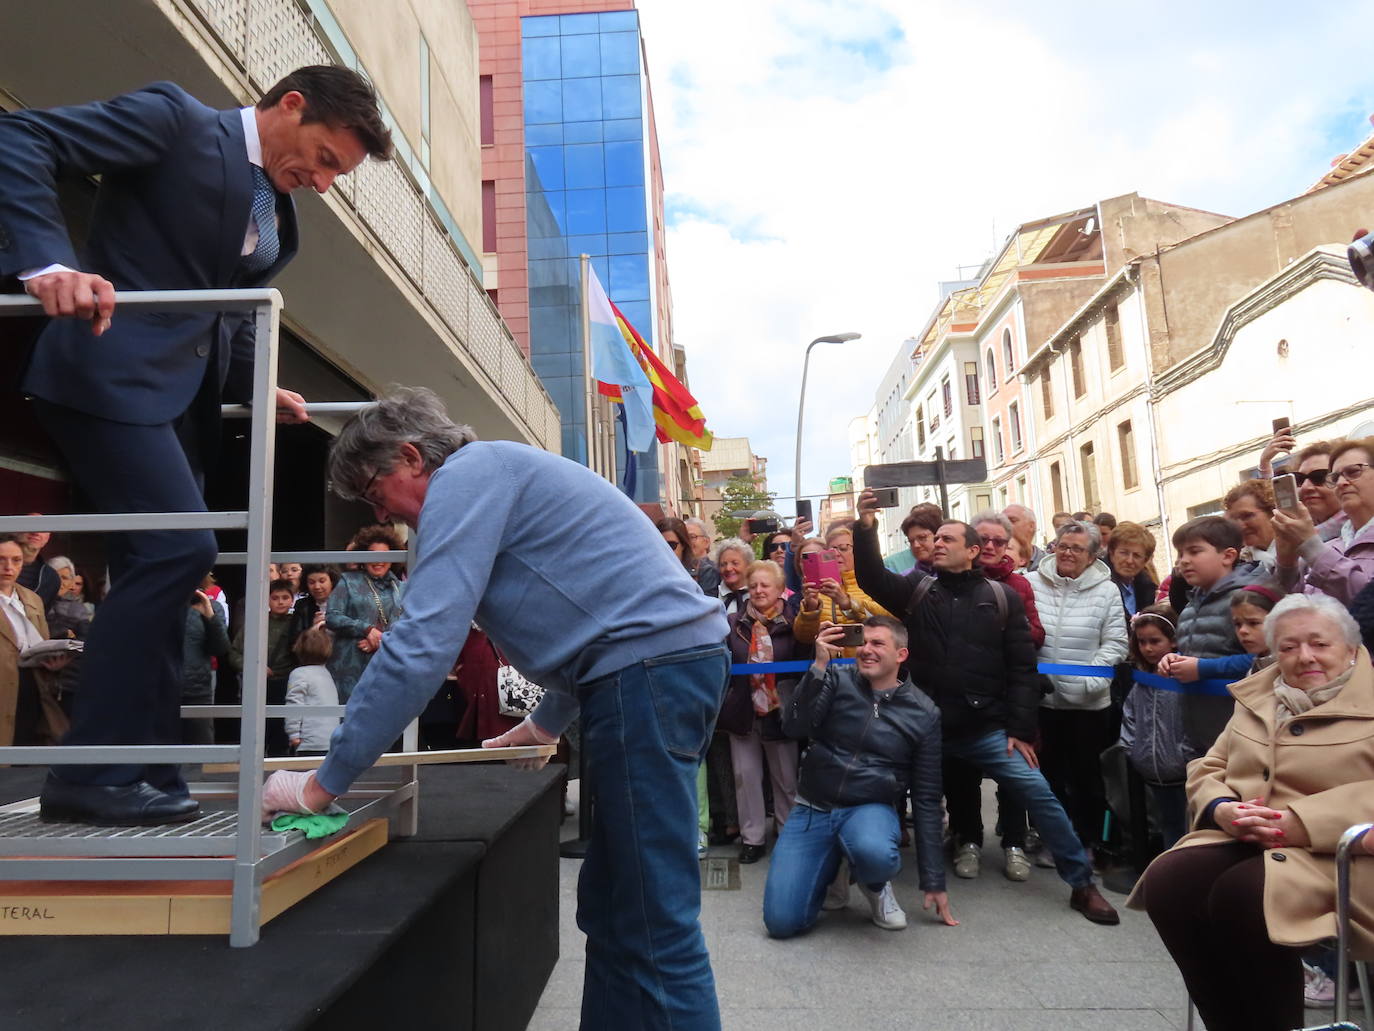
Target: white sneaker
(1018, 866)
(703, 845)
(837, 895)
(968, 861)
(885, 911)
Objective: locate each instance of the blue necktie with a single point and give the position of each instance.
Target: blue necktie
(265, 254)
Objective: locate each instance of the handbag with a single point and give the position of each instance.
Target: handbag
(515, 696)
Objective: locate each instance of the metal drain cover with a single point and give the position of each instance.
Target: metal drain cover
(719, 873)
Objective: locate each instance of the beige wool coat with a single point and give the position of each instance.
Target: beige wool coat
(54, 719)
(1321, 768)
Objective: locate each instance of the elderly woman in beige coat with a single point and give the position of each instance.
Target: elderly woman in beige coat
(1237, 899)
(29, 710)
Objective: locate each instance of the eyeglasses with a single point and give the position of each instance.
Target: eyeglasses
(698, 537)
(1316, 477)
(1072, 549)
(364, 495)
(842, 547)
(1349, 473)
(996, 542)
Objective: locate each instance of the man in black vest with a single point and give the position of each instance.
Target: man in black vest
(190, 198)
(975, 659)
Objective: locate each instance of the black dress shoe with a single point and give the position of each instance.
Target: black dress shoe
(751, 853)
(125, 805)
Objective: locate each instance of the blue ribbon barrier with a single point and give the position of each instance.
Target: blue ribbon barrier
(1214, 688)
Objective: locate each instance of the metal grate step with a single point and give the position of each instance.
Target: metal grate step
(23, 834)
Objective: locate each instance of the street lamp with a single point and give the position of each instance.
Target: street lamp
(837, 338)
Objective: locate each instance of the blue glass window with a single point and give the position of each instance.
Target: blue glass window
(585, 165)
(574, 445)
(544, 247)
(540, 58)
(629, 278)
(541, 26)
(625, 210)
(602, 269)
(543, 135)
(628, 243)
(543, 102)
(546, 272)
(593, 245)
(620, 53)
(625, 129)
(586, 212)
(625, 163)
(618, 21)
(619, 96)
(575, 24)
(581, 56)
(581, 99)
(566, 392)
(548, 166)
(551, 365)
(582, 132)
(551, 328)
(546, 213)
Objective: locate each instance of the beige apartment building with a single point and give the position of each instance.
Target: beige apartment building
(387, 287)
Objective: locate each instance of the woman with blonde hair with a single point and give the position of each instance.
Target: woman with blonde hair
(838, 601)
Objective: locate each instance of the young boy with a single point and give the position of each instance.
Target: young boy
(280, 660)
(1208, 549)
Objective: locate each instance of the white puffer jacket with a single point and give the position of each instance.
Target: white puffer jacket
(1085, 625)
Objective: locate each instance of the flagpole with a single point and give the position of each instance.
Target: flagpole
(590, 385)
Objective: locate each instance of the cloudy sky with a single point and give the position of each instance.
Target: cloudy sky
(827, 162)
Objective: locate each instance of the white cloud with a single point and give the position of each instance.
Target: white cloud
(829, 162)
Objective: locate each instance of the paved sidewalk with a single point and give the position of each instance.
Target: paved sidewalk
(1019, 959)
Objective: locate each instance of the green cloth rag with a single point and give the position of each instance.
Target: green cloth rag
(313, 825)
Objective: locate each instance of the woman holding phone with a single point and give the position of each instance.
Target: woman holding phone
(824, 596)
(1343, 566)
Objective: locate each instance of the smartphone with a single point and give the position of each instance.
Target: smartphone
(887, 496)
(820, 565)
(804, 510)
(762, 526)
(851, 635)
(1281, 425)
(1285, 491)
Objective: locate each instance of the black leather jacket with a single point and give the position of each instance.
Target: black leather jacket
(871, 747)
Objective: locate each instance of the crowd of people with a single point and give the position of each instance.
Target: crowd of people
(1069, 671)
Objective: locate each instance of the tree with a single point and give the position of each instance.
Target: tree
(740, 494)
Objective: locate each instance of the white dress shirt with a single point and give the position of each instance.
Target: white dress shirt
(24, 631)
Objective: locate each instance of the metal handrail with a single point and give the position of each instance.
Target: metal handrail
(248, 865)
(237, 558)
(1348, 841)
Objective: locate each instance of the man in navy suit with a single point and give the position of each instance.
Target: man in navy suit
(190, 198)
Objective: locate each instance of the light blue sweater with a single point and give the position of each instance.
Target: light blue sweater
(569, 579)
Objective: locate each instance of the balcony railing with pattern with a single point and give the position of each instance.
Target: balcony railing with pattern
(267, 39)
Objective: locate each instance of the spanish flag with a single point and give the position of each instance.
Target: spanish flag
(676, 412)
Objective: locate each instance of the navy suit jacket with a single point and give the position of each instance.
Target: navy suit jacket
(171, 212)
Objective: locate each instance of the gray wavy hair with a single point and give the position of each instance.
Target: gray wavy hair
(1318, 604)
(370, 441)
(1090, 531)
(60, 562)
(992, 517)
(737, 545)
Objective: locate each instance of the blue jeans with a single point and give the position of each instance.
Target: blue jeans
(1027, 786)
(645, 730)
(808, 854)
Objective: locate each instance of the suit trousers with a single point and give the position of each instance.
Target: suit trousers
(130, 688)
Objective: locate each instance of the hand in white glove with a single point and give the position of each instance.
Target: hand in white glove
(526, 733)
(284, 792)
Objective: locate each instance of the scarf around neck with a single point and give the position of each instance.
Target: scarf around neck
(1294, 701)
(763, 686)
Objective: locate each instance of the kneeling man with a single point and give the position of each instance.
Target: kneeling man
(873, 737)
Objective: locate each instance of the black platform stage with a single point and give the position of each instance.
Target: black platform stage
(456, 927)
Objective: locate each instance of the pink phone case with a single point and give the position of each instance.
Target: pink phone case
(820, 565)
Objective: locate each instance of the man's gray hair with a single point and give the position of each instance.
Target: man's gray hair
(992, 517)
(1088, 530)
(693, 523)
(1318, 604)
(735, 544)
(370, 442)
(60, 562)
(1029, 513)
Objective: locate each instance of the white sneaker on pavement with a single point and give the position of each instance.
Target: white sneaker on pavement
(837, 895)
(885, 911)
(1018, 866)
(968, 861)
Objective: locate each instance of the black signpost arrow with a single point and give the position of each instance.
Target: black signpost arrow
(939, 473)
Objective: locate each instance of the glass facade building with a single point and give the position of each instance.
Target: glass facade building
(586, 192)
